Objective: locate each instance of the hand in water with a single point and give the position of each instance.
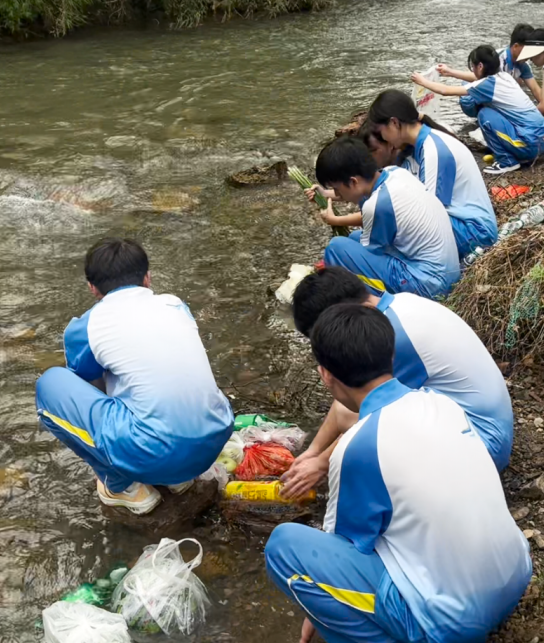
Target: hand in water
(308, 631)
(304, 475)
(443, 70)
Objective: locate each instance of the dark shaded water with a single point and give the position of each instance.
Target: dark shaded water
(133, 133)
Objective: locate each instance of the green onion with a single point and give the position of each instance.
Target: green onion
(321, 202)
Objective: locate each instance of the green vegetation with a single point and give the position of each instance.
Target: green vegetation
(60, 16)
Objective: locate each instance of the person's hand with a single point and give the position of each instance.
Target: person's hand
(328, 215)
(304, 476)
(418, 79)
(308, 631)
(309, 453)
(311, 192)
(444, 70)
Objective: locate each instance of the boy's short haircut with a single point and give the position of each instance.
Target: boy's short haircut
(322, 289)
(344, 158)
(522, 32)
(116, 263)
(355, 343)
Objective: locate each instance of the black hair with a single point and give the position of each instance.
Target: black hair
(355, 343)
(392, 103)
(522, 32)
(366, 132)
(537, 37)
(344, 158)
(488, 57)
(113, 263)
(322, 289)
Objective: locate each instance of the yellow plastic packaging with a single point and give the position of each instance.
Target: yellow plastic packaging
(267, 491)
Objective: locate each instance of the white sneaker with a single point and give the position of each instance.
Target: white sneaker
(138, 498)
(497, 168)
(178, 489)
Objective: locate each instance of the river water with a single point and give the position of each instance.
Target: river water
(133, 133)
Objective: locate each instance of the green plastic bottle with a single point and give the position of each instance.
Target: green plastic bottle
(98, 593)
(245, 421)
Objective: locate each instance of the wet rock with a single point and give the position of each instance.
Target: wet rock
(262, 518)
(521, 513)
(259, 175)
(173, 201)
(18, 333)
(534, 490)
(353, 127)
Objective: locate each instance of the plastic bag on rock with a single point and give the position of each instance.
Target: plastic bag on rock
(264, 460)
(81, 623)
(161, 591)
(216, 472)
(291, 438)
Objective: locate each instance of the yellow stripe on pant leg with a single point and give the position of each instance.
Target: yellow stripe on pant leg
(362, 601)
(373, 283)
(74, 430)
(513, 142)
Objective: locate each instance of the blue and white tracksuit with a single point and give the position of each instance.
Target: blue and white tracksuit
(419, 545)
(518, 70)
(512, 126)
(163, 420)
(459, 367)
(448, 169)
(406, 244)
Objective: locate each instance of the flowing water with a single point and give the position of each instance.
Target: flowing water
(133, 133)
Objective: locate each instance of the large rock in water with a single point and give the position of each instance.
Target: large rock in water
(259, 175)
(173, 514)
(355, 124)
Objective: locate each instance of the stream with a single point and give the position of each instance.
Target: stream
(133, 132)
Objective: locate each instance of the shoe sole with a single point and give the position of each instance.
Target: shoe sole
(505, 171)
(137, 508)
(179, 492)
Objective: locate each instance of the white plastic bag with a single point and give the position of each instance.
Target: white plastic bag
(66, 622)
(234, 448)
(161, 591)
(297, 272)
(427, 102)
(216, 472)
(291, 438)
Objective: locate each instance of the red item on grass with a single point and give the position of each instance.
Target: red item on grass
(509, 192)
(262, 460)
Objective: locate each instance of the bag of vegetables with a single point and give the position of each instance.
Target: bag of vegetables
(161, 592)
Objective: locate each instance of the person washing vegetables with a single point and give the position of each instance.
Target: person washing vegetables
(460, 367)
(407, 243)
(512, 126)
(418, 542)
(162, 419)
(444, 165)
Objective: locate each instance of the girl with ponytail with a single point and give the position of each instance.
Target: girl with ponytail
(444, 165)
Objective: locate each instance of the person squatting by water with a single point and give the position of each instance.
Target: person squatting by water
(442, 163)
(162, 419)
(418, 542)
(512, 126)
(407, 243)
(526, 43)
(460, 367)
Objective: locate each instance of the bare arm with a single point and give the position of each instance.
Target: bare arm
(448, 72)
(438, 88)
(535, 89)
(328, 216)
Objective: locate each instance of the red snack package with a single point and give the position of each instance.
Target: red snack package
(262, 460)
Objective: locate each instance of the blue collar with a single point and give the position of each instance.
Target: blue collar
(385, 394)
(385, 301)
(418, 147)
(381, 179)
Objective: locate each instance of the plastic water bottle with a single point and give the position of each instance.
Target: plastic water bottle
(473, 256)
(98, 593)
(510, 227)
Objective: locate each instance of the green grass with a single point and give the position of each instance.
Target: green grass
(58, 17)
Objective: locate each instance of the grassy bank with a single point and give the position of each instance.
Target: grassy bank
(58, 17)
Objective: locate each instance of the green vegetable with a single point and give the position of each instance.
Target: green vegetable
(322, 203)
